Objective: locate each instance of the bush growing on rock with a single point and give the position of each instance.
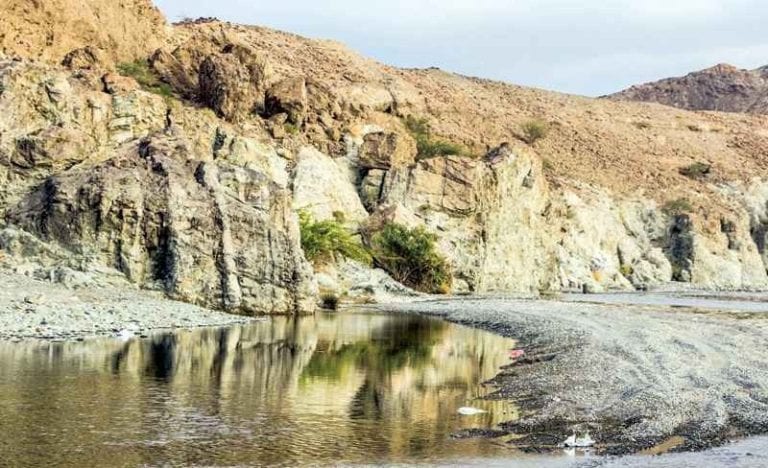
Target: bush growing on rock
(696, 170)
(677, 207)
(322, 240)
(146, 77)
(427, 145)
(410, 256)
(329, 301)
(533, 131)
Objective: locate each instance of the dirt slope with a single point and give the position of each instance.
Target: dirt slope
(49, 29)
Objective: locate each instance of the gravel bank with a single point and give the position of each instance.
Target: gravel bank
(34, 309)
(634, 375)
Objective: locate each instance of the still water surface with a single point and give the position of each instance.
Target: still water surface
(350, 388)
(353, 387)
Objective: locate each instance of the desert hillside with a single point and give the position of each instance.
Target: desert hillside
(47, 30)
(179, 157)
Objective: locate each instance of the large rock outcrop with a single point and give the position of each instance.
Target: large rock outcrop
(168, 195)
(209, 233)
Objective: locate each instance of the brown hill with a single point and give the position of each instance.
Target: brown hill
(48, 29)
(623, 146)
(720, 88)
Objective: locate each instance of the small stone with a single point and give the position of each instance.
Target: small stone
(36, 299)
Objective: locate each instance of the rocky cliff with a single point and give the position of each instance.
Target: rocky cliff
(184, 173)
(722, 88)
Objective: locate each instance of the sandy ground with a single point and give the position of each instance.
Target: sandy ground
(34, 309)
(635, 375)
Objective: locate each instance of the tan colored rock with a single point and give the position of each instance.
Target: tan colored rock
(289, 97)
(232, 82)
(323, 186)
(84, 58)
(172, 71)
(117, 84)
(385, 150)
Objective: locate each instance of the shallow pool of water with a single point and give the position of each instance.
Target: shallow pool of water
(335, 389)
(352, 387)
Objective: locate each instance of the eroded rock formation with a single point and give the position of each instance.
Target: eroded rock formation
(186, 174)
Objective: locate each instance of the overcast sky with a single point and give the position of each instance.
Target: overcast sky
(589, 47)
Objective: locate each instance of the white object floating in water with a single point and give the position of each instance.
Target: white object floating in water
(579, 442)
(585, 441)
(126, 335)
(467, 411)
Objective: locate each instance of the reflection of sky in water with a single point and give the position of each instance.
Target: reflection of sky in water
(351, 387)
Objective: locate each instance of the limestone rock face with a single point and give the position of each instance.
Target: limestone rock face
(324, 186)
(611, 244)
(207, 233)
(167, 195)
(489, 216)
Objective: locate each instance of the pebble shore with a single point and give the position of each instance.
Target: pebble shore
(41, 310)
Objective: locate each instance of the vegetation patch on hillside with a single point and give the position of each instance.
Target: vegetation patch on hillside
(533, 131)
(697, 170)
(411, 257)
(427, 145)
(323, 240)
(140, 71)
(677, 207)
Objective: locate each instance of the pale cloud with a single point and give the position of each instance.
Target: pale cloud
(588, 47)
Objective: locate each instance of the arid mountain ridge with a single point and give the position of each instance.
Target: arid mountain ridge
(177, 156)
(722, 88)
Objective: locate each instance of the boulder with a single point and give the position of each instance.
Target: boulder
(172, 71)
(232, 83)
(385, 150)
(117, 84)
(288, 96)
(84, 58)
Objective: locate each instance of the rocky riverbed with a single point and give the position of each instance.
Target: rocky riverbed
(35, 309)
(638, 377)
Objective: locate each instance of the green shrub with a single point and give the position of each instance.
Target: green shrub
(411, 257)
(626, 270)
(321, 240)
(427, 145)
(329, 301)
(533, 131)
(696, 170)
(677, 207)
(146, 77)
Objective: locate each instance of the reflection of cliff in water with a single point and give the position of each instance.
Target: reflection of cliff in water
(332, 387)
